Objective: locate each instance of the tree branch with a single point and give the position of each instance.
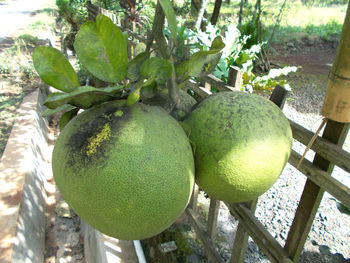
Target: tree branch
(165, 51)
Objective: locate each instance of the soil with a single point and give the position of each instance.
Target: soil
(314, 57)
(312, 60)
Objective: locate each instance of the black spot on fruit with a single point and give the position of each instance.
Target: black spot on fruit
(243, 142)
(121, 174)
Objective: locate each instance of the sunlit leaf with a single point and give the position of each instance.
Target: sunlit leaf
(133, 97)
(217, 44)
(202, 63)
(170, 16)
(54, 69)
(102, 49)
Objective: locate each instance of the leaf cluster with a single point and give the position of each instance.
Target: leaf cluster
(73, 11)
(235, 53)
(101, 48)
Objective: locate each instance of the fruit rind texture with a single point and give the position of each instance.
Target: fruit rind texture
(126, 171)
(242, 143)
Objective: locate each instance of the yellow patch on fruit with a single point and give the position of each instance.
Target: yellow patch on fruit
(118, 113)
(95, 141)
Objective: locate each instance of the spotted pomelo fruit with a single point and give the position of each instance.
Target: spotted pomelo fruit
(127, 171)
(241, 142)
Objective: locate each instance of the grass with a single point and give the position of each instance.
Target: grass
(324, 21)
(17, 74)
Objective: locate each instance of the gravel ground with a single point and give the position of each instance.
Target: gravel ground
(329, 239)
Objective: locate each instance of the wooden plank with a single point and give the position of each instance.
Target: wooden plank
(218, 83)
(272, 249)
(194, 198)
(210, 249)
(322, 179)
(312, 195)
(241, 239)
(213, 217)
(328, 150)
(200, 91)
(235, 77)
(207, 86)
(279, 96)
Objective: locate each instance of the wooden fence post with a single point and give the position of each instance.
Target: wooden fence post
(213, 217)
(194, 198)
(312, 195)
(235, 77)
(241, 239)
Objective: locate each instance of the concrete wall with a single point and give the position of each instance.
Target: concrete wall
(23, 168)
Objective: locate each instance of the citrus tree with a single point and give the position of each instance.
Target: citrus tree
(101, 48)
(128, 168)
(125, 167)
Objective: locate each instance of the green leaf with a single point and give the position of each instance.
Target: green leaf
(102, 49)
(170, 16)
(157, 68)
(133, 97)
(54, 69)
(181, 70)
(50, 112)
(83, 97)
(202, 63)
(135, 66)
(217, 44)
(66, 117)
(126, 37)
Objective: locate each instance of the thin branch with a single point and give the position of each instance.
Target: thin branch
(158, 24)
(201, 14)
(163, 46)
(278, 20)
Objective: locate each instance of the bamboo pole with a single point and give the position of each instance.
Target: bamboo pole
(337, 100)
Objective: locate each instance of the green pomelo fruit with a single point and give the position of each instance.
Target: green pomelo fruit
(241, 143)
(127, 171)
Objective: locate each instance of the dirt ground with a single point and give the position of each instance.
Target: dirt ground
(313, 55)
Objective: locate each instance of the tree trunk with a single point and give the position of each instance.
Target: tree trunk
(201, 14)
(197, 4)
(258, 23)
(216, 12)
(240, 13)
